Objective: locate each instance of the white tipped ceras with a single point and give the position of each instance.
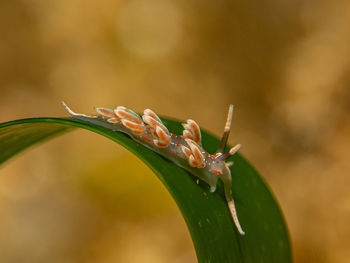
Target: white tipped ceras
(185, 150)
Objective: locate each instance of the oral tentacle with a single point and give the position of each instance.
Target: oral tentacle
(231, 152)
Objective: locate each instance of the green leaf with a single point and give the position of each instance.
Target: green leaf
(208, 219)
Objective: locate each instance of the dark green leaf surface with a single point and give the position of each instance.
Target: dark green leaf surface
(213, 232)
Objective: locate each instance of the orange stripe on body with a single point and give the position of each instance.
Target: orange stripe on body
(215, 171)
(146, 139)
(176, 153)
(215, 155)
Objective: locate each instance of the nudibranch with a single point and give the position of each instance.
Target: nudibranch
(185, 150)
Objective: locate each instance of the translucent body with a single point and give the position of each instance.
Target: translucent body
(184, 150)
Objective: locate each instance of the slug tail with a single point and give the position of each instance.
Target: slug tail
(68, 109)
(231, 205)
(77, 115)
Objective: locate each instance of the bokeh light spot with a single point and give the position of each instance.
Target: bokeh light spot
(149, 28)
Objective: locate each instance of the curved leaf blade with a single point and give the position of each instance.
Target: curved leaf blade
(213, 232)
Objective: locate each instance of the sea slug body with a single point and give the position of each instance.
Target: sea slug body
(185, 150)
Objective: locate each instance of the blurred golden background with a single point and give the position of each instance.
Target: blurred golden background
(81, 198)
